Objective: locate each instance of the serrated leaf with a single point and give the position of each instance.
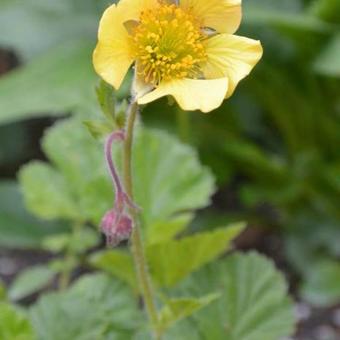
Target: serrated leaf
(80, 160)
(96, 307)
(18, 229)
(116, 262)
(165, 230)
(161, 191)
(30, 281)
(14, 324)
(46, 192)
(175, 310)
(160, 188)
(173, 260)
(254, 303)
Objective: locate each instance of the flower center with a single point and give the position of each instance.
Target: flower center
(167, 44)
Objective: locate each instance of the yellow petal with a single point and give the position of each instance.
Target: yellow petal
(231, 56)
(112, 56)
(224, 16)
(139, 86)
(191, 94)
(133, 8)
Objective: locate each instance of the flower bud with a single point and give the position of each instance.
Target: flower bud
(117, 227)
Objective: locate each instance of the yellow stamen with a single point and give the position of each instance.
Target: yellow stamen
(168, 44)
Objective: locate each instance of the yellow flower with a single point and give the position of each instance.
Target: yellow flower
(186, 49)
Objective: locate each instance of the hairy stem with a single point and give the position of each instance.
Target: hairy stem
(136, 238)
(108, 155)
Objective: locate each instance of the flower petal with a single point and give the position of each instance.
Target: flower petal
(139, 86)
(231, 56)
(224, 16)
(112, 56)
(191, 94)
(133, 8)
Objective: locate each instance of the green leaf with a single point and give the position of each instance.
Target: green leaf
(59, 81)
(83, 239)
(98, 128)
(13, 324)
(47, 23)
(30, 281)
(56, 243)
(78, 242)
(321, 284)
(328, 62)
(162, 231)
(107, 100)
(161, 189)
(254, 304)
(177, 309)
(46, 192)
(85, 190)
(171, 261)
(116, 262)
(18, 229)
(96, 307)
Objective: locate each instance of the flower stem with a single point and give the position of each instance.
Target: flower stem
(136, 238)
(108, 155)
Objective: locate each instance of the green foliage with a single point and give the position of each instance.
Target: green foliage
(328, 10)
(253, 303)
(114, 113)
(59, 81)
(98, 128)
(95, 307)
(47, 194)
(173, 260)
(275, 143)
(164, 230)
(78, 242)
(106, 100)
(14, 324)
(18, 229)
(81, 188)
(175, 310)
(327, 63)
(285, 16)
(116, 262)
(160, 188)
(46, 23)
(30, 281)
(321, 284)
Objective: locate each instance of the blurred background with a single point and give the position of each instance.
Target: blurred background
(273, 147)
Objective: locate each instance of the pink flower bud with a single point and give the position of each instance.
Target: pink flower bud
(116, 227)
